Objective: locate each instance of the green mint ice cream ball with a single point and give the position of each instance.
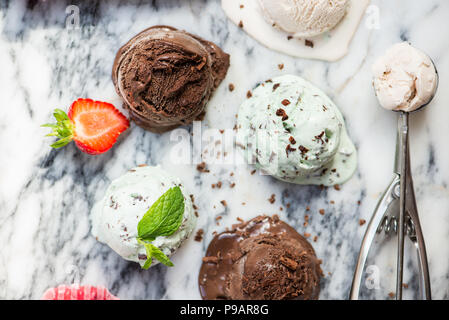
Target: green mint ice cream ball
(291, 130)
(127, 199)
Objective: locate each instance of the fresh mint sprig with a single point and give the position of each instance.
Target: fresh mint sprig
(162, 219)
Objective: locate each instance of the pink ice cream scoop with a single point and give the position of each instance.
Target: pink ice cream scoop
(77, 292)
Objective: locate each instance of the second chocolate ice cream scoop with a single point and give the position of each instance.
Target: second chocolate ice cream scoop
(262, 259)
(166, 76)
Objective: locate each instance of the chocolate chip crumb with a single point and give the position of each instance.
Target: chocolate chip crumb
(141, 256)
(289, 263)
(322, 212)
(275, 86)
(292, 140)
(309, 43)
(303, 150)
(272, 199)
(199, 235)
(253, 172)
(285, 102)
(249, 94)
(241, 24)
(281, 66)
(320, 137)
(281, 113)
(224, 203)
(231, 87)
(213, 260)
(202, 167)
(289, 149)
(337, 187)
(362, 222)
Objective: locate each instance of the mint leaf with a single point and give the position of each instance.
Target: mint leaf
(154, 252)
(159, 255)
(164, 217)
(149, 261)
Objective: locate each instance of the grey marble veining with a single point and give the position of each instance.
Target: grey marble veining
(46, 195)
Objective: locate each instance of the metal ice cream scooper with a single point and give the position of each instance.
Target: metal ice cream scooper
(396, 213)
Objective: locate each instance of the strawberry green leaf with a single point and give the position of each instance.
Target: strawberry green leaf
(63, 129)
(60, 115)
(61, 143)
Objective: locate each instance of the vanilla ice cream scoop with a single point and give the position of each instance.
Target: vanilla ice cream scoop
(405, 78)
(304, 18)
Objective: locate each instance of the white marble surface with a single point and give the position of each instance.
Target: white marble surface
(46, 195)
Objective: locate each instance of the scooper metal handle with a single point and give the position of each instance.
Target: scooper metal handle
(397, 210)
(409, 212)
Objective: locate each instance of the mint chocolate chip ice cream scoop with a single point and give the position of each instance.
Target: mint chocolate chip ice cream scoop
(117, 216)
(166, 76)
(291, 130)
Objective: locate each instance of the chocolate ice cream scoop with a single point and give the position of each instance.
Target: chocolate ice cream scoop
(166, 77)
(262, 259)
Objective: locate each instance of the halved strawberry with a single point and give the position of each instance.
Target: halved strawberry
(93, 125)
(77, 292)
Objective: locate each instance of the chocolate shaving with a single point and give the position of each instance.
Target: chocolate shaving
(289, 149)
(309, 43)
(213, 260)
(199, 235)
(281, 113)
(202, 167)
(320, 137)
(303, 150)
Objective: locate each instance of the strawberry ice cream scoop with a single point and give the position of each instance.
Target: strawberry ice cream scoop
(77, 292)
